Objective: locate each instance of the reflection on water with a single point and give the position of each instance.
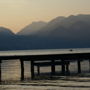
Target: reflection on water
(11, 71)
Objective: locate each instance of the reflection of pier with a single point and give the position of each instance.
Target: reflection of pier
(44, 58)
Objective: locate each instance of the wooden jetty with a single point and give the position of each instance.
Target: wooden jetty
(44, 58)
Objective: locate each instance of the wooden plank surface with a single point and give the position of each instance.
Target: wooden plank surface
(46, 54)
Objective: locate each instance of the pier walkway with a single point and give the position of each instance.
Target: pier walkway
(44, 58)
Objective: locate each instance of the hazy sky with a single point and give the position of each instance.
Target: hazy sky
(15, 14)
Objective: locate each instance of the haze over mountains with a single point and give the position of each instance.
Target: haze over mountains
(32, 28)
(61, 32)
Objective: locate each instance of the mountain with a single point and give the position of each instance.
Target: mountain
(63, 25)
(51, 25)
(35, 27)
(32, 28)
(61, 32)
(7, 38)
(58, 26)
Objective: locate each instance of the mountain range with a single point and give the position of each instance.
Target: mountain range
(61, 32)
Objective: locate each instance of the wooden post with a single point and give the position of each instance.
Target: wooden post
(32, 70)
(67, 68)
(79, 66)
(38, 69)
(22, 70)
(63, 68)
(0, 72)
(52, 67)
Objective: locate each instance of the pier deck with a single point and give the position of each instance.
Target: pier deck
(53, 57)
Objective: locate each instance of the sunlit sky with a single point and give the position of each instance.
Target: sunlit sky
(16, 14)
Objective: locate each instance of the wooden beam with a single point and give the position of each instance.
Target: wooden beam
(22, 70)
(32, 69)
(43, 64)
(79, 66)
(0, 71)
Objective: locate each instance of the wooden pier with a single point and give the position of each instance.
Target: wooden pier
(44, 58)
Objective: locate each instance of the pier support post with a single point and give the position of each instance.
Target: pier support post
(0, 71)
(79, 66)
(63, 68)
(22, 69)
(32, 70)
(67, 68)
(52, 67)
(38, 69)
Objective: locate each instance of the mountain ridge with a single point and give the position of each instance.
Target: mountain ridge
(32, 28)
(61, 32)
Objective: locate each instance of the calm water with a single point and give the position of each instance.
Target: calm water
(11, 71)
